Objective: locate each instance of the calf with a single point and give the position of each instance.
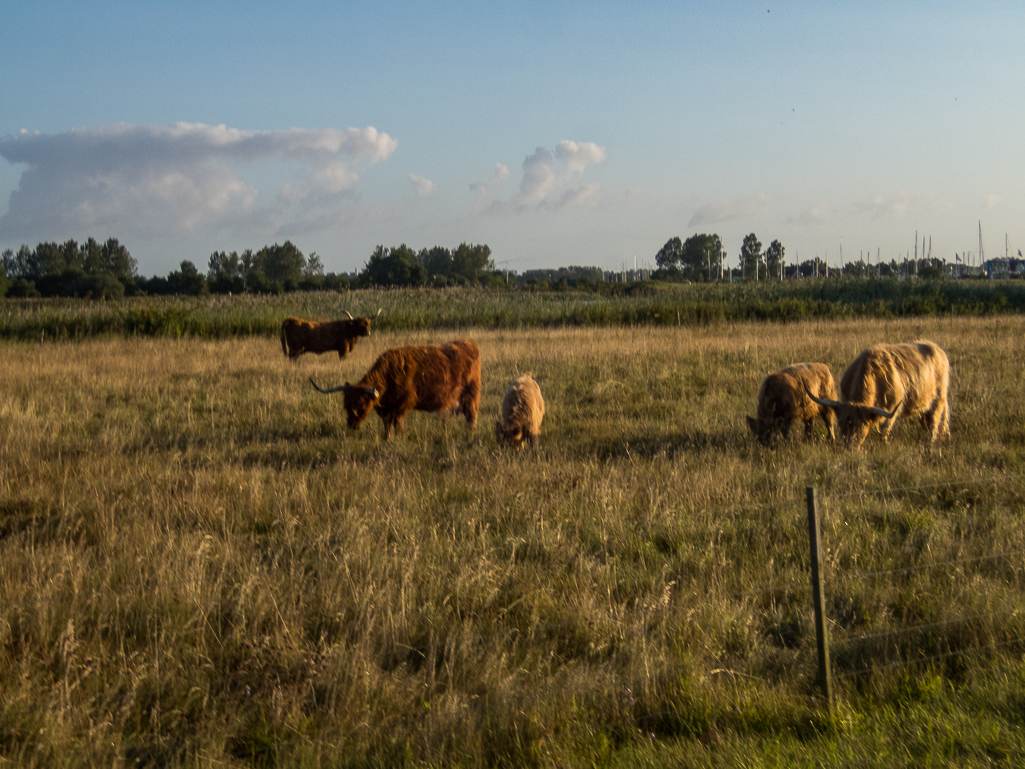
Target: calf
(523, 408)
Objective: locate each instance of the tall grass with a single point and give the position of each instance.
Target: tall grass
(200, 565)
(650, 304)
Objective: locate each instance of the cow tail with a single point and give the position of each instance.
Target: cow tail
(284, 343)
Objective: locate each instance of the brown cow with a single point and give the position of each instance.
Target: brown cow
(439, 378)
(523, 408)
(892, 379)
(299, 336)
(783, 398)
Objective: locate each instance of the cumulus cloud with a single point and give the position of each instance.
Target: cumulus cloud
(729, 210)
(579, 155)
(424, 187)
(482, 190)
(546, 184)
(160, 181)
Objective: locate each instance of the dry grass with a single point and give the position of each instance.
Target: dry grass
(200, 565)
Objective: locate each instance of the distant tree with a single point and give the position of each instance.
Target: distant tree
(283, 264)
(393, 267)
(438, 263)
(101, 285)
(811, 268)
(226, 273)
(3, 276)
(470, 262)
(774, 258)
(187, 280)
(701, 256)
(313, 268)
(670, 257)
(751, 257)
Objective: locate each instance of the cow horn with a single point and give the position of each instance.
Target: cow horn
(378, 312)
(348, 313)
(823, 401)
(368, 390)
(329, 390)
(882, 412)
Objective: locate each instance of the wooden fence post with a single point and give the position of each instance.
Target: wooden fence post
(818, 598)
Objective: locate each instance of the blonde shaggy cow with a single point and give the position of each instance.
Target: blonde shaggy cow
(784, 398)
(523, 408)
(890, 380)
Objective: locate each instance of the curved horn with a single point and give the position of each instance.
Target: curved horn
(881, 412)
(329, 390)
(378, 312)
(822, 401)
(348, 313)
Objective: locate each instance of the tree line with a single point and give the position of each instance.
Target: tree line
(108, 271)
(701, 258)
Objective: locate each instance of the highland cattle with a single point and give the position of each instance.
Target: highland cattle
(523, 408)
(784, 398)
(435, 378)
(890, 380)
(299, 336)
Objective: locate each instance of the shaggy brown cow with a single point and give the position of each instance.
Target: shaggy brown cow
(892, 379)
(299, 336)
(783, 398)
(523, 408)
(439, 378)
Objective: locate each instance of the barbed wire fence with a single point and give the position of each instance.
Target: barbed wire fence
(913, 644)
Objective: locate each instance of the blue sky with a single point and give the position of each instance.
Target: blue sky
(557, 133)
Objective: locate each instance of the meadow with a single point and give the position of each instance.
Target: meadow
(200, 565)
(539, 306)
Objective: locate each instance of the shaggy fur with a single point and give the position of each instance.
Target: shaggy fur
(437, 378)
(523, 408)
(783, 398)
(299, 336)
(889, 380)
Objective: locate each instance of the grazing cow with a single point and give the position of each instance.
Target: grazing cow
(783, 398)
(523, 408)
(892, 379)
(299, 336)
(439, 378)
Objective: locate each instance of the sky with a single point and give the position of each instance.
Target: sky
(557, 133)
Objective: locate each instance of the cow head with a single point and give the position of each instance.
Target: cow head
(854, 419)
(512, 435)
(765, 429)
(359, 401)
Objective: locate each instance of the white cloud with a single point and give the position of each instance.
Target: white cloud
(582, 196)
(161, 181)
(992, 201)
(482, 190)
(424, 187)
(545, 186)
(729, 210)
(579, 155)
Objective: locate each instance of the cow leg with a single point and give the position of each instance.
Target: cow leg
(469, 403)
(829, 417)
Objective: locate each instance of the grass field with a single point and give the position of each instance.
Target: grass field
(201, 566)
